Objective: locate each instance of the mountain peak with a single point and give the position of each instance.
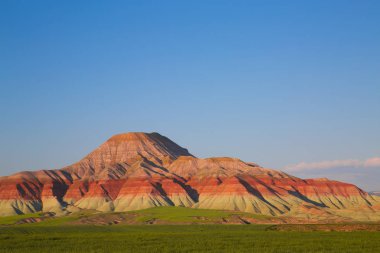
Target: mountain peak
(128, 148)
(131, 136)
(143, 144)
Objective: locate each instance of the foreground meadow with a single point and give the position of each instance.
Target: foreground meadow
(173, 229)
(180, 238)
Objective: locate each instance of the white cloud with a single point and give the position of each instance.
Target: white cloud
(372, 162)
(334, 164)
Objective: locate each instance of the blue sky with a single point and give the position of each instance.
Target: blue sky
(274, 82)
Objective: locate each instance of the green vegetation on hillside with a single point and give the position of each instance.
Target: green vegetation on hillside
(182, 214)
(157, 215)
(8, 220)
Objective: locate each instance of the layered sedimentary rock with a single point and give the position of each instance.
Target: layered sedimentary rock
(138, 170)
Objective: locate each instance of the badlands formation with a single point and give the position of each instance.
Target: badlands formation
(135, 171)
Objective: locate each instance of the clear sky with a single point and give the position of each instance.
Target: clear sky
(286, 84)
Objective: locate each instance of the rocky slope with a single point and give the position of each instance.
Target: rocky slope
(139, 170)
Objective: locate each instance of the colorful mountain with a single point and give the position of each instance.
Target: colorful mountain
(135, 171)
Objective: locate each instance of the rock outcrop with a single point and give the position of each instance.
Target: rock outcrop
(140, 170)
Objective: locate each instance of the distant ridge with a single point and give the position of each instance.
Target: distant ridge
(135, 171)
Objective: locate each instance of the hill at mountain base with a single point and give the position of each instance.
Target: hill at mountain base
(136, 171)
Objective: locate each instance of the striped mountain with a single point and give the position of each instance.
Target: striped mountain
(141, 170)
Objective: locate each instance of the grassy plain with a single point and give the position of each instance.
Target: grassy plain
(65, 234)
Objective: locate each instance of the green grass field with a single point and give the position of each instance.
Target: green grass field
(180, 238)
(65, 235)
